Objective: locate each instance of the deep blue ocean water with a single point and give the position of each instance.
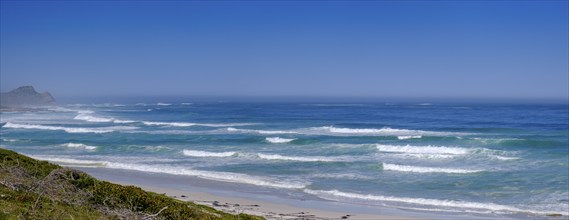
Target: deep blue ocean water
(472, 158)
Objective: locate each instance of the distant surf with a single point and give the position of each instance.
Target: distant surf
(486, 160)
(278, 140)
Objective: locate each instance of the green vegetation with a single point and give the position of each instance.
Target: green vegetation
(32, 189)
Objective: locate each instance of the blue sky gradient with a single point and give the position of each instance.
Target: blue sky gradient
(437, 49)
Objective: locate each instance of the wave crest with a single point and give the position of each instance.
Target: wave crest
(417, 169)
(473, 207)
(293, 158)
(278, 140)
(69, 129)
(79, 145)
(197, 153)
(422, 149)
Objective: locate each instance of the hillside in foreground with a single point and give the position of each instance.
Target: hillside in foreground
(32, 189)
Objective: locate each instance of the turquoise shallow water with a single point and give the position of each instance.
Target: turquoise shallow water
(468, 158)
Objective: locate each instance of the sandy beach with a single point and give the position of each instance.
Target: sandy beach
(267, 206)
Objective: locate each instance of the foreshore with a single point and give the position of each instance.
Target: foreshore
(235, 202)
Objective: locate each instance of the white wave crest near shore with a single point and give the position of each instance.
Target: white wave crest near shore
(473, 207)
(386, 131)
(70, 129)
(295, 158)
(278, 140)
(422, 149)
(417, 169)
(409, 137)
(91, 118)
(260, 131)
(79, 145)
(213, 175)
(197, 153)
(71, 162)
(189, 124)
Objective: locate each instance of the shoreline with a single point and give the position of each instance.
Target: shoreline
(235, 199)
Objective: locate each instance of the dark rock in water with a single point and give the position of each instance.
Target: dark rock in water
(25, 95)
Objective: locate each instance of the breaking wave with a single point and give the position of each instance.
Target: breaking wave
(91, 118)
(417, 169)
(197, 153)
(380, 132)
(293, 158)
(466, 206)
(79, 145)
(69, 129)
(409, 137)
(259, 131)
(188, 124)
(422, 149)
(278, 140)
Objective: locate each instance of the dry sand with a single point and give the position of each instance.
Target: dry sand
(268, 210)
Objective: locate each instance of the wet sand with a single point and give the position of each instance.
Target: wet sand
(222, 196)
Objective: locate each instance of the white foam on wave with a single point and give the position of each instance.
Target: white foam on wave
(278, 140)
(69, 129)
(71, 162)
(350, 176)
(163, 104)
(430, 156)
(79, 145)
(386, 131)
(465, 206)
(189, 124)
(9, 140)
(212, 175)
(409, 137)
(260, 131)
(417, 169)
(90, 118)
(172, 124)
(295, 158)
(186, 103)
(197, 153)
(498, 157)
(422, 149)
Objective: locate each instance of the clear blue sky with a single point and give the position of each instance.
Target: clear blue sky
(447, 49)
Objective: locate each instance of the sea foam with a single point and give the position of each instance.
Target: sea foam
(69, 129)
(422, 149)
(237, 130)
(212, 175)
(90, 118)
(79, 145)
(386, 131)
(295, 158)
(278, 140)
(409, 137)
(417, 169)
(71, 162)
(197, 153)
(189, 124)
(449, 204)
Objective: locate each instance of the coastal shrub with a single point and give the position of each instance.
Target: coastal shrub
(32, 189)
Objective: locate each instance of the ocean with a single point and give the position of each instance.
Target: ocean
(472, 159)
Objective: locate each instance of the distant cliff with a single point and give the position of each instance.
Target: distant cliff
(25, 95)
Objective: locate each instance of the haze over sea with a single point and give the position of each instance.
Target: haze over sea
(467, 159)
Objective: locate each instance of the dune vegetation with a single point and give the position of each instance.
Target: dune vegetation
(33, 189)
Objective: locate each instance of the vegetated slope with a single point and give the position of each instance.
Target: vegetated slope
(32, 189)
